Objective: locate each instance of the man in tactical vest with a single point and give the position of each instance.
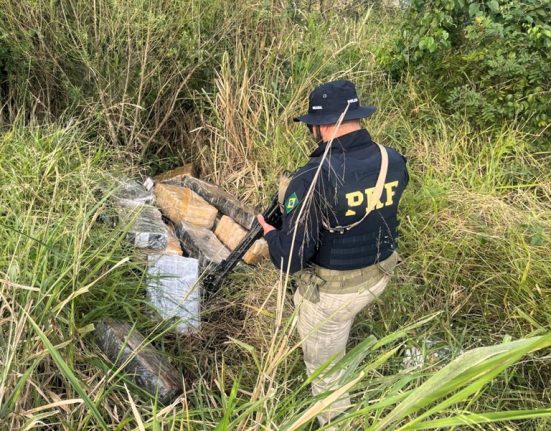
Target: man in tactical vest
(339, 229)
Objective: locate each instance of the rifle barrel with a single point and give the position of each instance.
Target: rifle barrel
(214, 278)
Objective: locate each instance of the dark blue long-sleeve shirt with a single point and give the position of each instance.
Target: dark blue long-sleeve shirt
(280, 241)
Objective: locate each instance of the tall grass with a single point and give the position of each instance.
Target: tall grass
(58, 271)
(128, 68)
(476, 225)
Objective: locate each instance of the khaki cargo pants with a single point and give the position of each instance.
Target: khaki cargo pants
(327, 302)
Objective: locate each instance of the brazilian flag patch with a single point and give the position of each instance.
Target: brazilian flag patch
(292, 202)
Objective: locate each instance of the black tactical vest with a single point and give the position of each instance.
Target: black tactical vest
(348, 177)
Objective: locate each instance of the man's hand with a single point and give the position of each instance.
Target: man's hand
(265, 226)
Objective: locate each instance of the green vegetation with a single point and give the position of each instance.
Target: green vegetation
(488, 60)
(93, 89)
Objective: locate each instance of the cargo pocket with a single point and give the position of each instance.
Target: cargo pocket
(308, 285)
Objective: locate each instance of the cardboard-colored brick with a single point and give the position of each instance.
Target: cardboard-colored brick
(173, 246)
(181, 204)
(225, 202)
(229, 232)
(257, 253)
(176, 174)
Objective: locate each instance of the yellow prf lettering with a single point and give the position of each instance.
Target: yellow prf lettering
(389, 192)
(369, 194)
(354, 199)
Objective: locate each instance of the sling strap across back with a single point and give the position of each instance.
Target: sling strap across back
(377, 193)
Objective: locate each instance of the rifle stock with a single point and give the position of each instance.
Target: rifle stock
(214, 278)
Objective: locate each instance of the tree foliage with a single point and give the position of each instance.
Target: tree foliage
(488, 60)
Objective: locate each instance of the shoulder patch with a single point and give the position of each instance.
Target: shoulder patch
(292, 202)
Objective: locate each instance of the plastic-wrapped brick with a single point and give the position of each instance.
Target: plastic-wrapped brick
(173, 291)
(148, 229)
(131, 193)
(202, 244)
(123, 344)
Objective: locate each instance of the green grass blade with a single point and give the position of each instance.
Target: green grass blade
(68, 373)
(7, 407)
(481, 418)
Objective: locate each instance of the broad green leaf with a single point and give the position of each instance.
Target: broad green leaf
(468, 368)
(493, 5)
(474, 9)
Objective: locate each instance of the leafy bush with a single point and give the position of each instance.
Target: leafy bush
(488, 60)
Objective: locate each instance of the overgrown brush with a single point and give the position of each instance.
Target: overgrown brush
(476, 223)
(487, 61)
(476, 230)
(127, 68)
(249, 133)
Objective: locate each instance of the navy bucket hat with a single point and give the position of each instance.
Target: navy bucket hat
(328, 101)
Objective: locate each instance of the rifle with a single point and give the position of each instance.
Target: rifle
(215, 276)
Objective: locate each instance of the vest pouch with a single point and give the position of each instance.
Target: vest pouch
(308, 285)
(388, 265)
(356, 280)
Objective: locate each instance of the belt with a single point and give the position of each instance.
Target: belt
(355, 280)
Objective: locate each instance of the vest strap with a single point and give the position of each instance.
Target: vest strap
(377, 193)
(284, 180)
